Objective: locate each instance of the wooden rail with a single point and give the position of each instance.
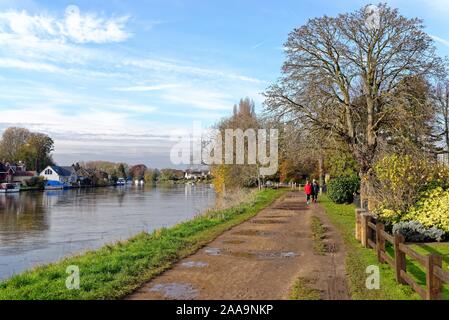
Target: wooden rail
(372, 235)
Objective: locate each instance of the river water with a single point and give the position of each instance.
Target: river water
(42, 227)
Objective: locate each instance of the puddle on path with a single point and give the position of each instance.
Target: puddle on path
(176, 291)
(194, 264)
(269, 221)
(254, 232)
(212, 251)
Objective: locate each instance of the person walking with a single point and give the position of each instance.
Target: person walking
(315, 191)
(308, 190)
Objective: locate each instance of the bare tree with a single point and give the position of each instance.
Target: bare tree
(341, 73)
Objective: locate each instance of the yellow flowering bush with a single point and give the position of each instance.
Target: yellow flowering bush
(389, 215)
(432, 210)
(399, 182)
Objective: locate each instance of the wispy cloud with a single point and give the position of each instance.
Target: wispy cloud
(258, 45)
(160, 65)
(74, 26)
(146, 88)
(440, 40)
(26, 65)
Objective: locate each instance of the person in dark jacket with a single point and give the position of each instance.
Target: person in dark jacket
(315, 191)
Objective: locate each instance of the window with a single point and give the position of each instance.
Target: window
(48, 172)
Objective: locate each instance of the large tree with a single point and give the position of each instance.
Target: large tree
(34, 149)
(341, 74)
(234, 176)
(12, 140)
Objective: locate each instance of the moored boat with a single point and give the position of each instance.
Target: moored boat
(54, 185)
(9, 188)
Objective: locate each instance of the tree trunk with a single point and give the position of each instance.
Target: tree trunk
(321, 173)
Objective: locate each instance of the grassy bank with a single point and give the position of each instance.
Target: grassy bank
(318, 234)
(359, 258)
(302, 291)
(118, 269)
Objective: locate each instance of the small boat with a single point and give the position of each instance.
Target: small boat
(9, 188)
(121, 182)
(54, 185)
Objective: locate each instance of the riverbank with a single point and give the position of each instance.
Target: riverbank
(118, 269)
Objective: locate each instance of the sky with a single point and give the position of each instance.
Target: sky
(115, 80)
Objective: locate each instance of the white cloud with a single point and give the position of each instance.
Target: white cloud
(146, 88)
(258, 45)
(73, 27)
(440, 40)
(25, 65)
(168, 67)
(201, 98)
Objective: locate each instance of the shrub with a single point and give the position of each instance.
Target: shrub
(37, 182)
(399, 181)
(432, 210)
(342, 190)
(414, 231)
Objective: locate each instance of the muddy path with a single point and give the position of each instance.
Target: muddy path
(259, 259)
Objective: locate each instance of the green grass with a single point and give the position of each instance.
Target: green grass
(319, 234)
(116, 270)
(359, 258)
(417, 271)
(302, 291)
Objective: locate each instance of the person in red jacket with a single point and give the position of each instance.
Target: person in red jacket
(308, 191)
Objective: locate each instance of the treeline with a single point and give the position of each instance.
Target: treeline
(110, 172)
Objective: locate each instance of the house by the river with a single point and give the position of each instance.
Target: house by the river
(63, 175)
(15, 173)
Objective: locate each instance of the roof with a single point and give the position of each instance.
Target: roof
(25, 174)
(63, 171)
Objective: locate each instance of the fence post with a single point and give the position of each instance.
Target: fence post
(365, 234)
(380, 241)
(399, 258)
(433, 283)
(358, 223)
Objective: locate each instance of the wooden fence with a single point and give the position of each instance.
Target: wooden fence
(373, 235)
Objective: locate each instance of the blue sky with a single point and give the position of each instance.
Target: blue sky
(112, 80)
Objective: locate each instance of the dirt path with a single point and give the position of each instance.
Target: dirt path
(259, 259)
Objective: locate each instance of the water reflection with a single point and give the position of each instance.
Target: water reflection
(41, 227)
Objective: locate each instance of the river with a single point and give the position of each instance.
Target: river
(42, 227)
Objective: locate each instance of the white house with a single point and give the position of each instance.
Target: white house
(196, 174)
(61, 174)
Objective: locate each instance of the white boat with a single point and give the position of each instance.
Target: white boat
(9, 188)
